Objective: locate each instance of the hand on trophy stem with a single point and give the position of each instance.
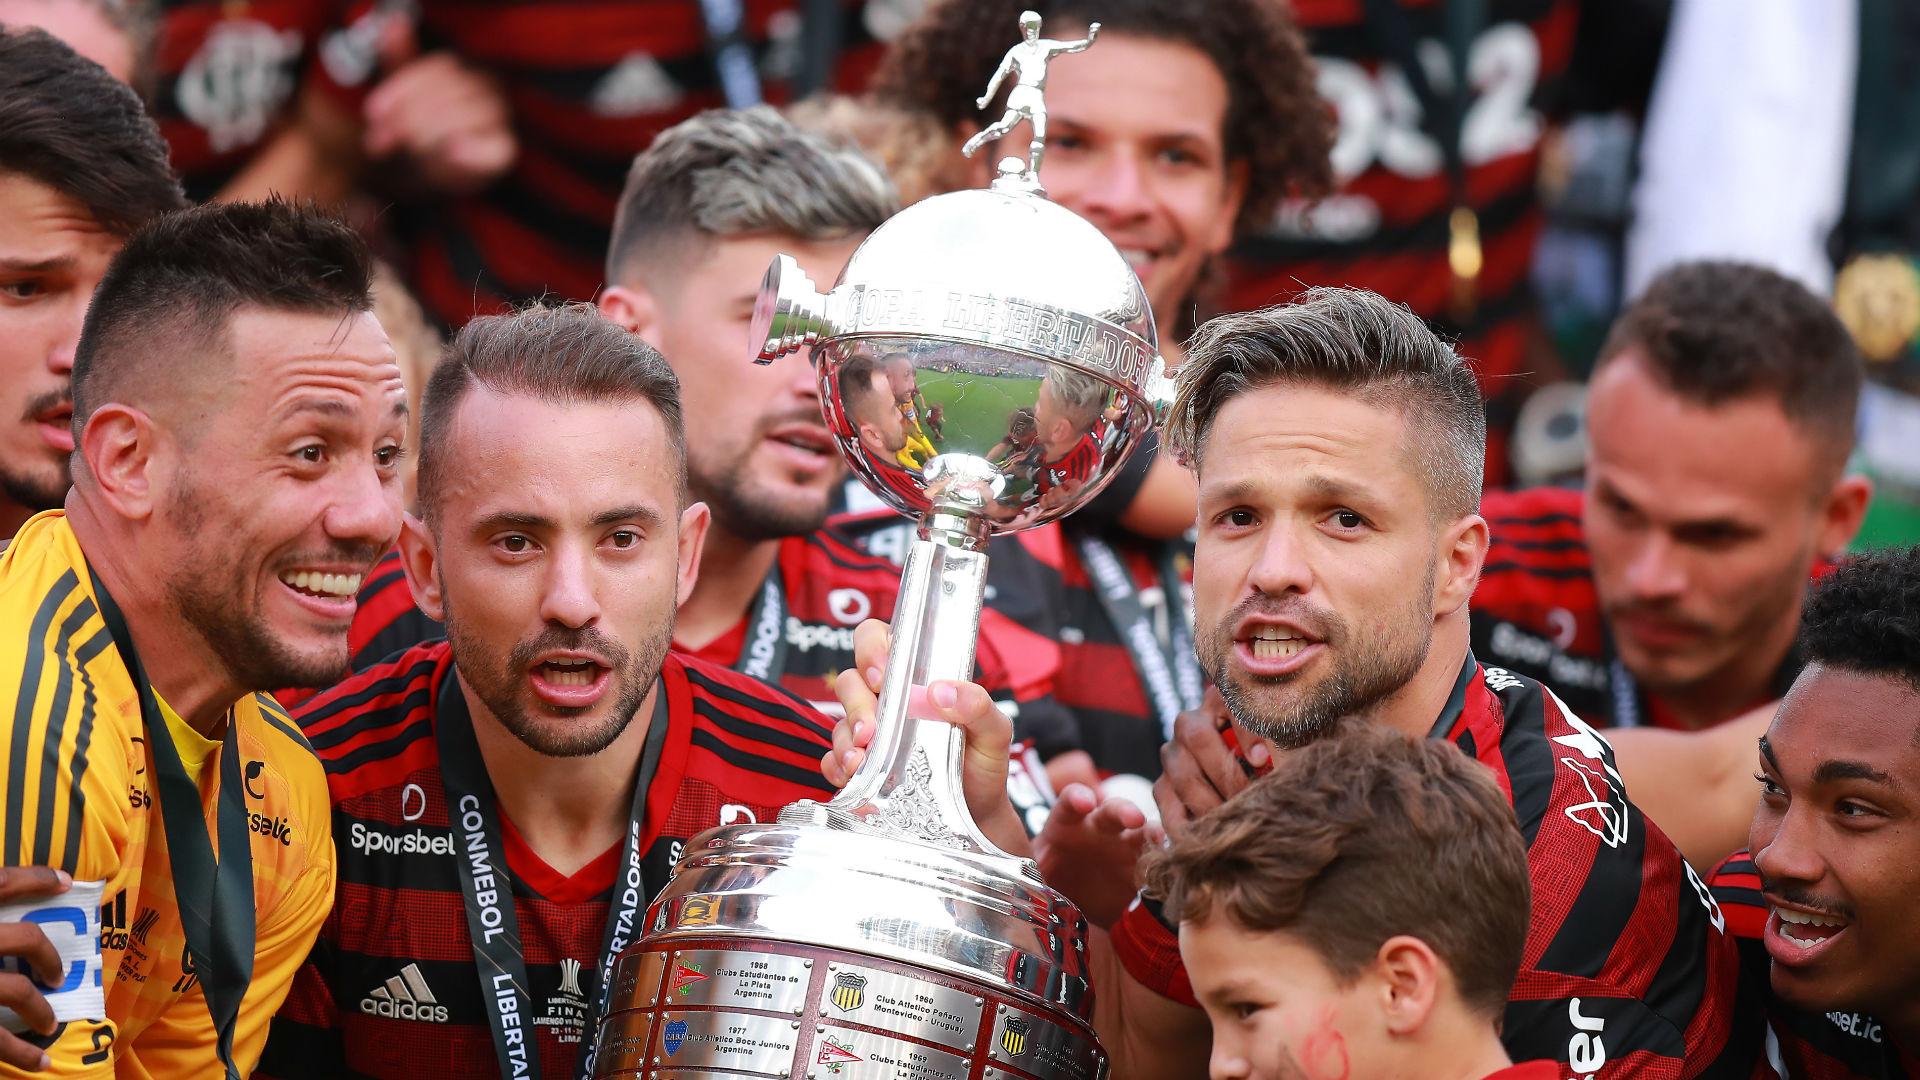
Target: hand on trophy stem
(1199, 770)
(989, 734)
(1090, 850)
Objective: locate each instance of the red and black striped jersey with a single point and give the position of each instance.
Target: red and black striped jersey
(1385, 227)
(391, 988)
(1537, 611)
(1081, 461)
(1627, 970)
(226, 76)
(1787, 1042)
(589, 84)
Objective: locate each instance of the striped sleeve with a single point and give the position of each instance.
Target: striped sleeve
(63, 785)
(763, 734)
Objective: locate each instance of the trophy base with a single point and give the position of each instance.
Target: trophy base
(727, 1007)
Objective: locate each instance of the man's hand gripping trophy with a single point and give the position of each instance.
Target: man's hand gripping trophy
(1027, 63)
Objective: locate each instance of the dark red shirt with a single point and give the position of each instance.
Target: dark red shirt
(396, 943)
(226, 77)
(1627, 971)
(589, 84)
(1787, 1042)
(1385, 227)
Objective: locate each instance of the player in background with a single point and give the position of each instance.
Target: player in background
(1665, 597)
(554, 737)
(81, 167)
(1338, 446)
(1823, 901)
(239, 419)
(1319, 948)
(1178, 131)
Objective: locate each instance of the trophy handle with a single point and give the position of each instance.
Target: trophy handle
(909, 784)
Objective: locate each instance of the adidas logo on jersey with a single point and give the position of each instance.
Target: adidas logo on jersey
(404, 997)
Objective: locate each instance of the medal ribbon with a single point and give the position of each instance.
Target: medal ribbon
(1168, 667)
(487, 886)
(214, 895)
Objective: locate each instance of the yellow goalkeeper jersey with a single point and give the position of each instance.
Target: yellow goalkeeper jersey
(79, 794)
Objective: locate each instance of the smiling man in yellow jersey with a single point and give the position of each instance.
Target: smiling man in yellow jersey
(238, 417)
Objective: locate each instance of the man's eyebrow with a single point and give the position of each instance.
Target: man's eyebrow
(1834, 769)
(645, 515)
(310, 403)
(35, 266)
(1766, 751)
(512, 519)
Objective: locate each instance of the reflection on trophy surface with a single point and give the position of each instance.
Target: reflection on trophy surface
(986, 362)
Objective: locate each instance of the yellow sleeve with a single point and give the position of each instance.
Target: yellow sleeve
(80, 1048)
(181, 1042)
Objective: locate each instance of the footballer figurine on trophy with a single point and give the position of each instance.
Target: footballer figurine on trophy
(881, 934)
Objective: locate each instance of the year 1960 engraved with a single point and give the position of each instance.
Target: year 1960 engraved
(916, 1007)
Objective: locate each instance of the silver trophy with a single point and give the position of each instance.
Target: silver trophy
(987, 361)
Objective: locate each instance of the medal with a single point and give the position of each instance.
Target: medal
(1878, 298)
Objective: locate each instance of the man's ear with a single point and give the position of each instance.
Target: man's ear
(1463, 548)
(121, 447)
(1840, 518)
(1411, 979)
(421, 560)
(634, 307)
(693, 538)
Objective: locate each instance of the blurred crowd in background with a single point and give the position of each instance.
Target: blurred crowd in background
(1589, 145)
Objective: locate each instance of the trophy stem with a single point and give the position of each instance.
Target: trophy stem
(909, 784)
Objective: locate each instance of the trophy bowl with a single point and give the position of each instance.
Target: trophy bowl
(987, 361)
(985, 354)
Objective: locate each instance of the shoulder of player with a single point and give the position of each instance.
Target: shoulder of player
(1736, 887)
(831, 553)
(1547, 756)
(375, 715)
(720, 696)
(1536, 532)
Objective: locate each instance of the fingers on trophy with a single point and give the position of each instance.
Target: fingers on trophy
(882, 933)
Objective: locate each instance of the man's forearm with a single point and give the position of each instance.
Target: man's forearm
(1147, 1036)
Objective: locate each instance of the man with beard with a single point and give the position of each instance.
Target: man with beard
(507, 801)
(81, 167)
(239, 419)
(1338, 446)
(1180, 129)
(1824, 907)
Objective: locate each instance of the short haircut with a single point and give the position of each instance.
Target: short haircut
(738, 172)
(1344, 339)
(1082, 397)
(1865, 617)
(1718, 331)
(164, 307)
(1277, 123)
(1359, 838)
(564, 354)
(862, 380)
(67, 124)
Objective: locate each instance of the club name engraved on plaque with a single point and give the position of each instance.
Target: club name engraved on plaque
(770, 981)
(901, 1003)
(847, 1054)
(1031, 1044)
(756, 1044)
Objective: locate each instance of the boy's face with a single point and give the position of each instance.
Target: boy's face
(1278, 1012)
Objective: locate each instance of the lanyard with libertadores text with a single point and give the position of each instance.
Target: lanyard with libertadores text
(763, 655)
(1167, 667)
(487, 886)
(214, 895)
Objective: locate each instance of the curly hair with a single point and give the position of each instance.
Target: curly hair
(1276, 121)
(1353, 840)
(1865, 616)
